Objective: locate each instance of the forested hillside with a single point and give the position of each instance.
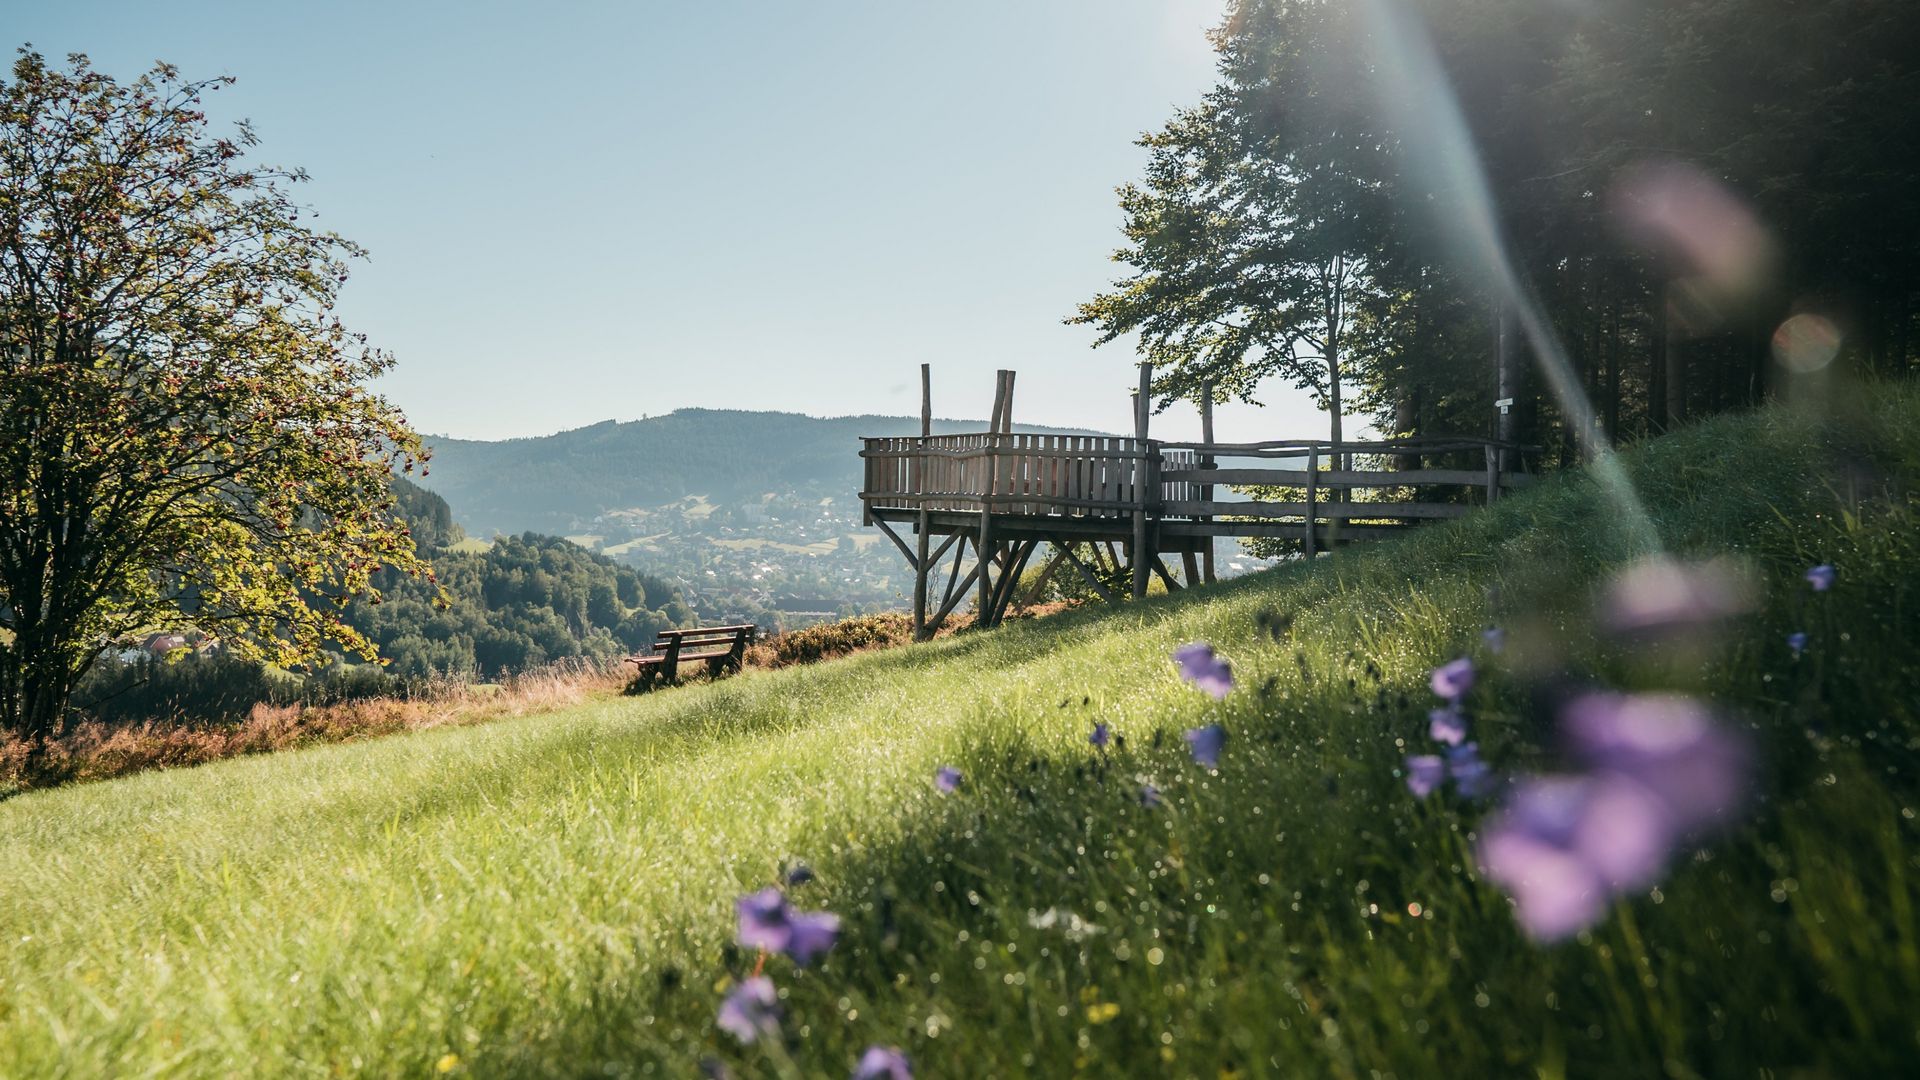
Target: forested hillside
(554, 482)
(526, 600)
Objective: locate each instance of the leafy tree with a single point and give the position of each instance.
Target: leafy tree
(185, 434)
(1251, 233)
(1306, 152)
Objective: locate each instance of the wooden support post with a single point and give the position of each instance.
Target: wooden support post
(1142, 479)
(986, 541)
(926, 401)
(1207, 462)
(999, 400)
(1313, 479)
(1190, 564)
(922, 565)
(1006, 406)
(1493, 475)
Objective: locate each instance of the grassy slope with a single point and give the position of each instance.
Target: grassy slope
(552, 895)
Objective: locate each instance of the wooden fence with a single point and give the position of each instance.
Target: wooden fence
(1174, 482)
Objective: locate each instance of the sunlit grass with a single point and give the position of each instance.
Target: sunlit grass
(552, 895)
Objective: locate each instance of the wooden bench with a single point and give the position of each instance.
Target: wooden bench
(722, 647)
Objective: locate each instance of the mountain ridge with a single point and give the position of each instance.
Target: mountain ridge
(553, 483)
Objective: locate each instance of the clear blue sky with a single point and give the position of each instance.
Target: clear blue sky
(590, 211)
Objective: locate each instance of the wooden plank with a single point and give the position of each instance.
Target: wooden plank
(1342, 477)
(1279, 529)
(1336, 511)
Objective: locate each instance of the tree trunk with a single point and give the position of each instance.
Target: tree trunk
(1335, 315)
(1676, 364)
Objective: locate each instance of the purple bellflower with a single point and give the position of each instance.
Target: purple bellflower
(751, 1010)
(1797, 641)
(1564, 846)
(811, 933)
(1102, 735)
(947, 779)
(883, 1063)
(1821, 577)
(1206, 744)
(1668, 743)
(1448, 725)
(765, 920)
(1663, 595)
(1199, 666)
(1424, 773)
(1471, 776)
(1453, 679)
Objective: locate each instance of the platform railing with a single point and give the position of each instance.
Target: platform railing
(1114, 477)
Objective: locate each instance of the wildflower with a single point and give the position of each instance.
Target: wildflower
(1471, 776)
(1447, 725)
(1424, 773)
(1660, 594)
(1206, 744)
(1668, 743)
(1564, 846)
(811, 933)
(1199, 666)
(765, 920)
(1821, 577)
(1452, 680)
(948, 778)
(883, 1063)
(1554, 893)
(1797, 641)
(1102, 734)
(1495, 639)
(1149, 796)
(751, 1010)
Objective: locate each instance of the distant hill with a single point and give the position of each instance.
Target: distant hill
(552, 482)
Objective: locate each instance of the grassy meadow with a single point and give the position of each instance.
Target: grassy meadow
(552, 895)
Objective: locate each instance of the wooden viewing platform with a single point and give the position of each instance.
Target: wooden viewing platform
(1004, 493)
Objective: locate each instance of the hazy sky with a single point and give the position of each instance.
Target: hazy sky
(590, 211)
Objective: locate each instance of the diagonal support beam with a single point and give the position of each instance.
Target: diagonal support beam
(1093, 579)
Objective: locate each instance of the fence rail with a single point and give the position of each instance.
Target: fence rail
(1084, 476)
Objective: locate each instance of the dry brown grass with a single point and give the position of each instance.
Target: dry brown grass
(94, 751)
(91, 750)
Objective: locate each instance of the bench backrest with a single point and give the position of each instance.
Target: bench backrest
(705, 637)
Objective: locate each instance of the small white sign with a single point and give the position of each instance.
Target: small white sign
(1503, 403)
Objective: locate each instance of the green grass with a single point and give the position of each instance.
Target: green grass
(471, 546)
(551, 896)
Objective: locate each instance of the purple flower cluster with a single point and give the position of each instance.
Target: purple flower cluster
(768, 922)
(1459, 760)
(1821, 577)
(1658, 767)
(1206, 671)
(947, 779)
